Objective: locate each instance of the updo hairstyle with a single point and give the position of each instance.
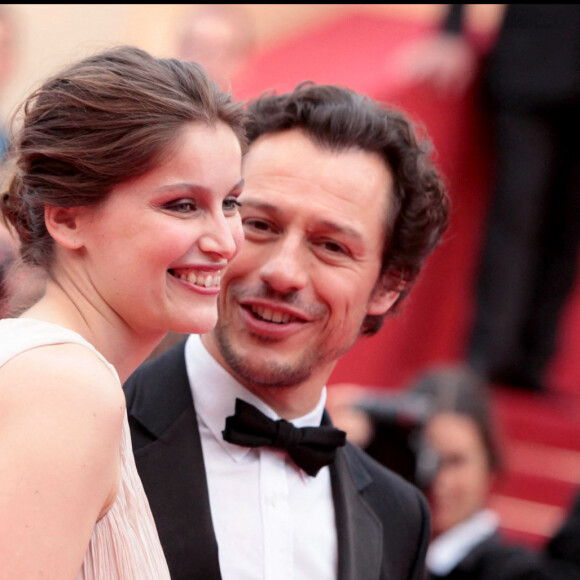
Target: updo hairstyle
(107, 119)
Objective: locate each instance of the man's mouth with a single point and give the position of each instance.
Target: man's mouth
(271, 315)
(204, 279)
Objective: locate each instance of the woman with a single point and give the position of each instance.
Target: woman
(127, 170)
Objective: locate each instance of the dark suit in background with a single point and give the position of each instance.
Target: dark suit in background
(492, 559)
(561, 556)
(382, 521)
(531, 81)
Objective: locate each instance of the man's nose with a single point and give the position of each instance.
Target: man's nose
(287, 267)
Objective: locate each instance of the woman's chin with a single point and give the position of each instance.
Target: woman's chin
(201, 324)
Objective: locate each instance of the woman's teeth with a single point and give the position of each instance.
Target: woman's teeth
(199, 279)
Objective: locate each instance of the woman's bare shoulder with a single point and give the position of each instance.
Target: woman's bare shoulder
(64, 389)
(61, 418)
(59, 373)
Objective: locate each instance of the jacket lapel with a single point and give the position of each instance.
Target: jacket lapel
(172, 467)
(360, 532)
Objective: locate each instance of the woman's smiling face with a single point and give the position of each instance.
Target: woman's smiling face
(155, 250)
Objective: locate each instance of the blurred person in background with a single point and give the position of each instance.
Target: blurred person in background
(458, 461)
(6, 258)
(450, 448)
(21, 285)
(7, 60)
(220, 37)
(531, 87)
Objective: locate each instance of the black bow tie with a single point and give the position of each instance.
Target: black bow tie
(309, 447)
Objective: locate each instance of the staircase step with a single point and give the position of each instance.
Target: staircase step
(541, 442)
(531, 522)
(548, 420)
(523, 538)
(536, 488)
(543, 461)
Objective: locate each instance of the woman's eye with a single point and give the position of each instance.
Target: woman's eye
(231, 204)
(182, 205)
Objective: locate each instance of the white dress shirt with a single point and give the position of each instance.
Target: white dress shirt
(451, 547)
(272, 520)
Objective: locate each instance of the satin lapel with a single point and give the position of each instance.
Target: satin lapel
(173, 472)
(360, 535)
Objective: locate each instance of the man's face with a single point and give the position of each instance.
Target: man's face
(295, 298)
(461, 486)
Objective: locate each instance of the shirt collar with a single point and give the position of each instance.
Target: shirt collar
(215, 391)
(452, 546)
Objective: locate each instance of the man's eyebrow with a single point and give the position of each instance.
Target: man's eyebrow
(261, 205)
(342, 229)
(322, 224)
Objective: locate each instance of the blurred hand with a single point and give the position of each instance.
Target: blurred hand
(340, 403)
(446, 61)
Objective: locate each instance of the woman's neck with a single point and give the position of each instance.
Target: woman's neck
(124, 348)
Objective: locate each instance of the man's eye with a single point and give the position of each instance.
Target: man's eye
(455, 461)
(231, 204)
(333, 247)
(257, 225)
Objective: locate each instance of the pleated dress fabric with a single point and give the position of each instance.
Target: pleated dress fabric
(124, 544)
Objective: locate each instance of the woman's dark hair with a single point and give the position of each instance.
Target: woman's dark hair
(107, 119)
(340, 119)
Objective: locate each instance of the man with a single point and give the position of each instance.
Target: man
(340, 208)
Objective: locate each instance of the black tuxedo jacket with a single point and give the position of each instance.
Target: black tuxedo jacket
(492, 559)
(383, 521)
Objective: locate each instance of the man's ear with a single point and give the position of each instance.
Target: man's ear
(64, 225)
(382, 300)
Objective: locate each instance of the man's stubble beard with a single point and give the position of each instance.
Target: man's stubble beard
(270, 373)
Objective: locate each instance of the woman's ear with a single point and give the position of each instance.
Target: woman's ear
(64, 225)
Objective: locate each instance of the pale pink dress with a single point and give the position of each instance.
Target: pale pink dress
(124, 544)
